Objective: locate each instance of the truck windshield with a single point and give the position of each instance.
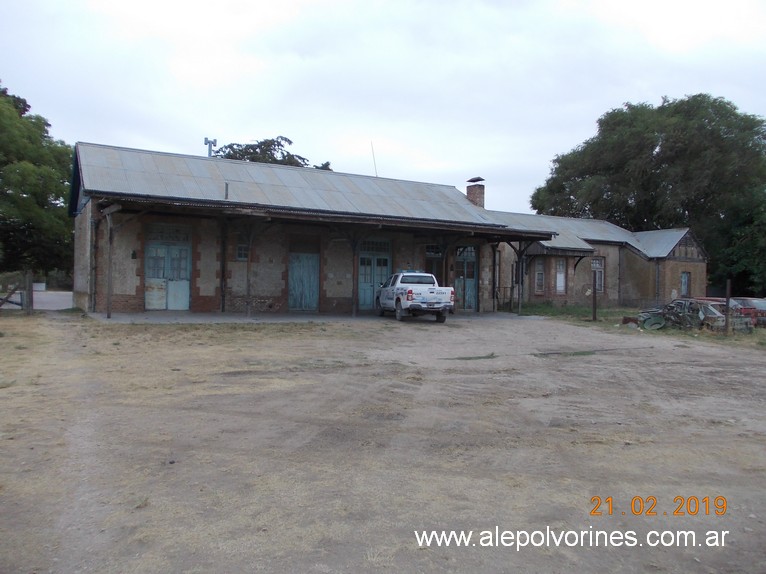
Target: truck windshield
(417, 280)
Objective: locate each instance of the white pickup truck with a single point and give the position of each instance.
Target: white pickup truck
(414, 293)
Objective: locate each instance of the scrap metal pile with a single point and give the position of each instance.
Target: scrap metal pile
(691, 314)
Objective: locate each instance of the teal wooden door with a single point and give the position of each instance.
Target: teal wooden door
(303, 282)
(465, 279)
(374, 269)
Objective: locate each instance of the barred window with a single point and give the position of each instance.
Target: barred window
(373, 246)
(539, 276)
(686, 284)
(598, 264)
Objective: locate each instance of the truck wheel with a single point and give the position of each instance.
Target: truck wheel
(399, 311)
(378, 308)
(441, 317)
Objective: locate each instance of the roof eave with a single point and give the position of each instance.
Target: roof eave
(279, 212)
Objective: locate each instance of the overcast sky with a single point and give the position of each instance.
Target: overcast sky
(442, 90)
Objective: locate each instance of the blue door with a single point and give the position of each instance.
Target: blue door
(465, 279)
(303, 282)
(374, 269)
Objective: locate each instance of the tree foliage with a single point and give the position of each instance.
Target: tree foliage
(35, 230)
(266, 151)
(695, 162)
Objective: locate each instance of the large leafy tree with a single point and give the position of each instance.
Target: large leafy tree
(694, 162)
(266, 151)
(35, 230)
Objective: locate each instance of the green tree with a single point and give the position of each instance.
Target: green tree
(266, 151)
(35, 230)
(747, 252)
(695, 162)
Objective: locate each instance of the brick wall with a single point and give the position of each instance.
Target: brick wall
(269, 262)
(127, 265)
(337, 276)
(630, 280)
(81, 276)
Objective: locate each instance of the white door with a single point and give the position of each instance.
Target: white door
(178, 278)
(167, 278)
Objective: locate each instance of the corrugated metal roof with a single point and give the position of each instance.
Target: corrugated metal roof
(573, 233)
(165, 176)
(578, 234)
(661, 242)
(564, 239)
(148, 174)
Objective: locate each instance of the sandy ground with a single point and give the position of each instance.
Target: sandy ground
(322, 446)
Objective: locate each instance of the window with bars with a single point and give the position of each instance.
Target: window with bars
(179, 268)
(561, 276)
(365, 270)
(686, 284)
(598, 264)
(434, 251)
(155, 263)
(242, 248)
(539, 276)
(372, 246)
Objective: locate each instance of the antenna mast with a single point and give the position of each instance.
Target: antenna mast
(210, 143)
(374, 163)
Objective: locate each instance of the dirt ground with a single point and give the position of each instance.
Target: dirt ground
(322, 446)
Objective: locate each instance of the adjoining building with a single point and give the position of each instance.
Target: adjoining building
(630, 269)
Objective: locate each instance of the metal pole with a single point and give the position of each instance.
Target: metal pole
(29, 298)
(224, 239)
(354, 276)
(728, 322)
(594, 295)
(522, 261)
(110, 240)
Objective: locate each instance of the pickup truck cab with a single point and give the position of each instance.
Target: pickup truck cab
(413, 293)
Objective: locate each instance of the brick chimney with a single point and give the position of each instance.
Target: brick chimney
(475, 191)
